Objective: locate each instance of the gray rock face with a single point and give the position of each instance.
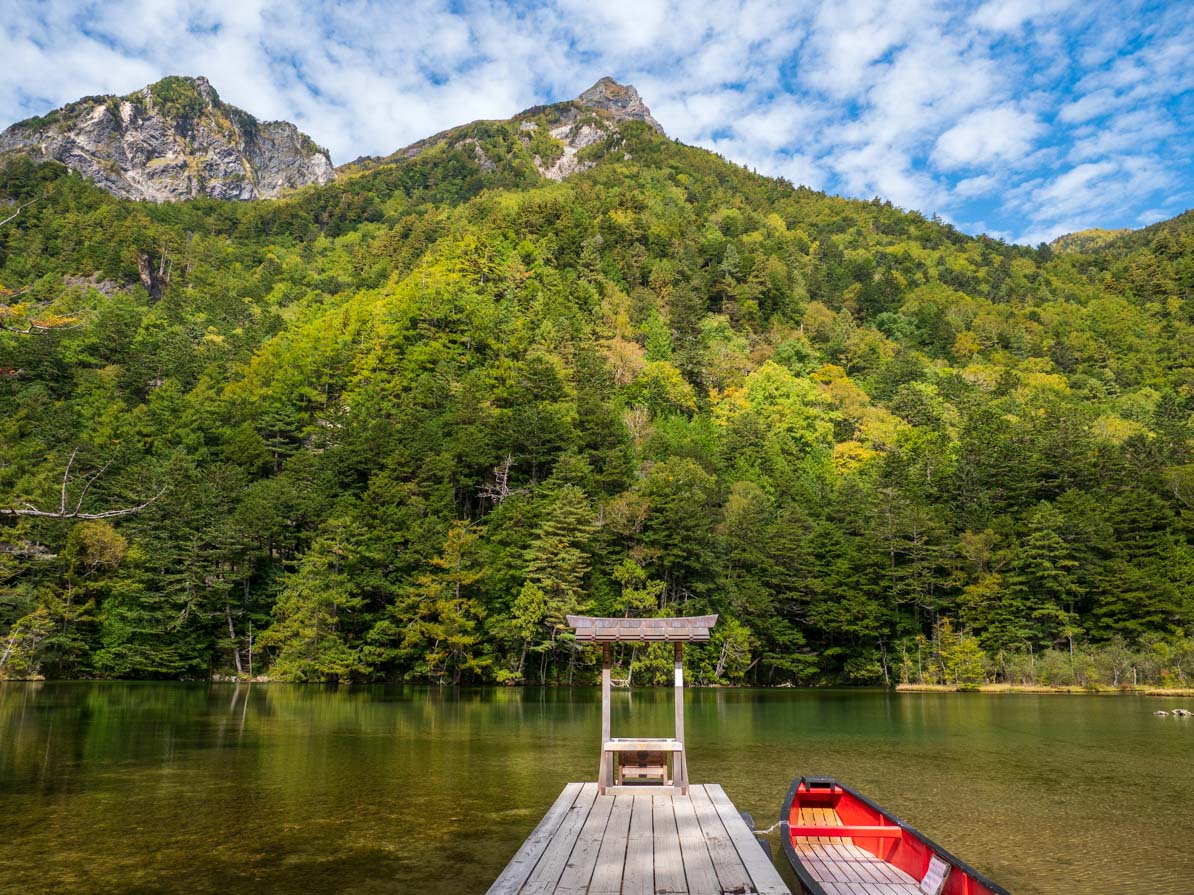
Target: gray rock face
(620, 102)
(579, 127)
(173, 140)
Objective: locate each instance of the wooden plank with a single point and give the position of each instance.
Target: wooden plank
(855, 871)
(816, 869)
(839, 863)
(833, 870)
(648, 745)
(762, 872)
(555, 857)
(731, 872)
(642, 789)
(579, 870)
(698, 865)
(525, 859)
(638, 877)
(680, 774)
(669, 865)
(611, 859)
(886, 832)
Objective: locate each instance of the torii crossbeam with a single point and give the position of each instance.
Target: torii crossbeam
(642, 759)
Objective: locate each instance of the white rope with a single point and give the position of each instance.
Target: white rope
(769, 830)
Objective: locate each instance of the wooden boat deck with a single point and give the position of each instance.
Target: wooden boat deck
(625, 844)
(841, 867)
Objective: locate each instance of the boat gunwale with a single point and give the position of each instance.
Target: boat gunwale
(816, 888)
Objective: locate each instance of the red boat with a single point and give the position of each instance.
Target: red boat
(842, 843)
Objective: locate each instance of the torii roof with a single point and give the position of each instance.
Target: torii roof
(690, 629)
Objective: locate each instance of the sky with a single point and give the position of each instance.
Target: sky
(1024, 119)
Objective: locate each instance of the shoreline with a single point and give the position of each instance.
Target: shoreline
(1032, 689)
(1040, 689)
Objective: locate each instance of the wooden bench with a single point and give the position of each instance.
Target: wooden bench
(841, 867)
(642, 765)
(639, 763)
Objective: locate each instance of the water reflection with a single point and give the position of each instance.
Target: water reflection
(216, 788)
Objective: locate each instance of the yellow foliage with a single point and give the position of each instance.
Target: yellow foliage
(880, 428)
(1116, 429)
(966, 346)
(849, 456)
(1034, 382)
(776, 224)
(983, 375)
(52, 320)
(829, 373)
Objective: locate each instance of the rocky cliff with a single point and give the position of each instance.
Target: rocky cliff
(617, 102)
(561, 130)
(589, 119)
(172, 140)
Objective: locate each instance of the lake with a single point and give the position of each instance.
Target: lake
(221, 788)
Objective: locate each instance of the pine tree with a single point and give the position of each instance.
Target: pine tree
(557, 562)
(442, 616)
(1042, 576)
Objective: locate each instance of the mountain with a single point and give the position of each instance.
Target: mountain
(552, 138)
(172, 140)
(397, 425)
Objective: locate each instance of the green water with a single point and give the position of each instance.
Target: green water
(148, 788)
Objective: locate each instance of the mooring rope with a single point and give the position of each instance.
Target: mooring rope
(769, 830)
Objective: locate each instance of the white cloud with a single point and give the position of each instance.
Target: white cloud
(982, 185)
(1092, 105)
(1008, 15)
(936, 106)
(999, 134)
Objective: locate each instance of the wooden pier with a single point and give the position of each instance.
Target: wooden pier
(642, 828)
(650, 844)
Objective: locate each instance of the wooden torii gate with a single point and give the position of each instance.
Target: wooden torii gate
(647, 757)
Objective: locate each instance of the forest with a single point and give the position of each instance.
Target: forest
(394, 428)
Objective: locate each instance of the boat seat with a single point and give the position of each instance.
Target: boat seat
(841, 867)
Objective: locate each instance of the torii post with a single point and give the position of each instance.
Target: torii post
(611, 773)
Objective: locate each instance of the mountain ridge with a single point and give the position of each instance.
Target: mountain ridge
(173, 139)
(267, 159)
(574, 124)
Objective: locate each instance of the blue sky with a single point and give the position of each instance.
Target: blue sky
(1021, 118)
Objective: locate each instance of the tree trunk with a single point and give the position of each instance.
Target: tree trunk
(232, 637)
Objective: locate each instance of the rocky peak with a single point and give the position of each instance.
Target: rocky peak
(577, 127)
(589, 122)
(174, 139)
(620, 101)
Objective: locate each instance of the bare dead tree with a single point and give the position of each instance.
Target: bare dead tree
(155, 282)
(68, 509)
(499, 489)
(34, 327)
(20, 208)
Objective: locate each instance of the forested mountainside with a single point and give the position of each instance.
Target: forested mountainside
(396, 426)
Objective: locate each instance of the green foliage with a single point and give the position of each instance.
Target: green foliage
(178, 98)
(402, 424)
